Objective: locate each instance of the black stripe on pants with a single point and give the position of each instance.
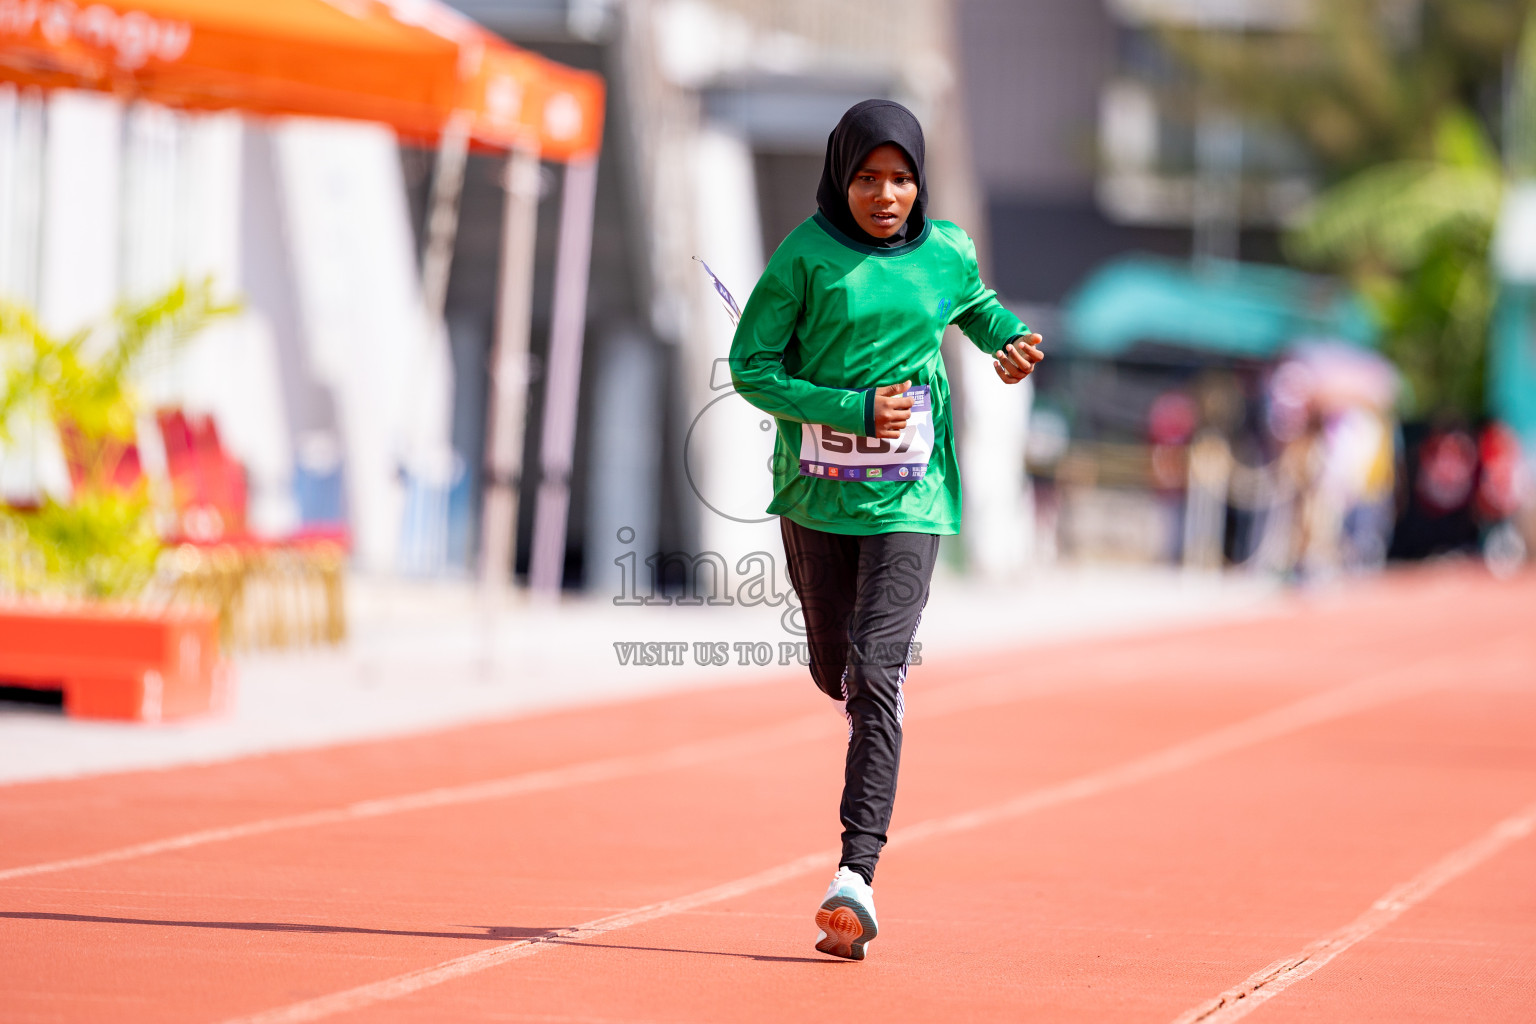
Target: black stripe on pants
(861, 598)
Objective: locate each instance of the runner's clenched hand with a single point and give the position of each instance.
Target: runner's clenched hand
(892, 409)
(1018, 360)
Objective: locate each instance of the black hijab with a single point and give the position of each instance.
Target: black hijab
(865, 126)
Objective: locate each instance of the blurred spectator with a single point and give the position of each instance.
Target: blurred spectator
(1436, 513)
(1503, 493)
(1465, 492)
(1329, 409)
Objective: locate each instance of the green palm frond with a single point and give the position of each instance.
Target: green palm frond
(102, 543)
(1368, 80)
(1413, 235)
(1393, 214)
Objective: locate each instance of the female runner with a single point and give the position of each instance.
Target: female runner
(840, 343)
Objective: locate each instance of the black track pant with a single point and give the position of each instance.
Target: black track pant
(862, 598)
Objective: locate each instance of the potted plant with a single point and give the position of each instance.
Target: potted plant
(72, 570)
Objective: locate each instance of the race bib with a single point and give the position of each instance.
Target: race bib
(834, 455)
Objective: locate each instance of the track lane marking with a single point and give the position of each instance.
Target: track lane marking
(992, 690)
(686, 755)
(1364, 694)
(414, 981)
(988, 691)
(1242, 999)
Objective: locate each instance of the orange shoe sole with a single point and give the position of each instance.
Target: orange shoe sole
(847, 926)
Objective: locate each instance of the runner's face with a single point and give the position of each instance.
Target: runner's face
(882, 191)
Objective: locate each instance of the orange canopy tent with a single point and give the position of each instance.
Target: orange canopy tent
(432, 74)
(411, 64)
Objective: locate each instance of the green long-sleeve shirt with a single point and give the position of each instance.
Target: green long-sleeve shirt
(831, 320)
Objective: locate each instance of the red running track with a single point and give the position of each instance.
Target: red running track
(1324, 816)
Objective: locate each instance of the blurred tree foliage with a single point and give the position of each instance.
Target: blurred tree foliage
(1414, 237)
(1399, 102)
(102, 543)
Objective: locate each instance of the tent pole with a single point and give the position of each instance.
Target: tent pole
(509, 369)
(563, 381)
(443, 217)
(436, 265)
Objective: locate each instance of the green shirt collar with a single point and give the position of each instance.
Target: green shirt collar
(873, 250)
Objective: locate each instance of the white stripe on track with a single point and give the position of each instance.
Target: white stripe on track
(414, 981)
(988, 691)
(684, 756)
(1243, 999)
(1362, 695)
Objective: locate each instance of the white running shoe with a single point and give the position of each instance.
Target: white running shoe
(846, 916)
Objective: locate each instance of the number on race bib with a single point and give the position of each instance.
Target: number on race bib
(836, 441)
(835, 455)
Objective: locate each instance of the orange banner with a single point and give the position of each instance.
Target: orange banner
(522, 98)
(408, 63)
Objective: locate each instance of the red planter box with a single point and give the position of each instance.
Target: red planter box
(129, 664)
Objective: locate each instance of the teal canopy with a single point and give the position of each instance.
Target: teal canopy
(1241, 310)
(1512, 362)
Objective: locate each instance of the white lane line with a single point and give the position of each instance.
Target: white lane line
(1354, 697)
(683, 756)
(1243, 999)
(987, 691)
(414, 981)
(1363, 694)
